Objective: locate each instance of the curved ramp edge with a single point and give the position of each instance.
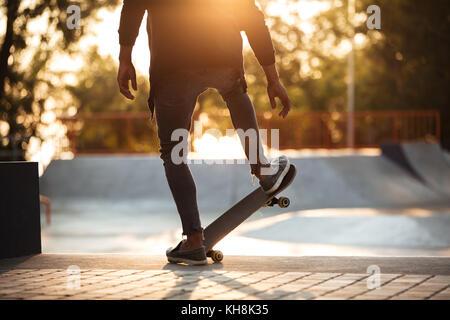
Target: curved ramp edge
(424, 161)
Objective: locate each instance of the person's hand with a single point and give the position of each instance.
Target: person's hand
(275, 89)
(126, 73)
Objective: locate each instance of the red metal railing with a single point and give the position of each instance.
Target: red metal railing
(134, 133)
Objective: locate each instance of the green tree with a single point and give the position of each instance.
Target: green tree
(96, 91)
(404, 65)
(35, 32)
(408, 66)
(96, 88)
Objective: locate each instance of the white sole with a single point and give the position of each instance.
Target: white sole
(280, 179)
(187, 261)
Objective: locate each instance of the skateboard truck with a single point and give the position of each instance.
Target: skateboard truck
(282, 202)
(215, 255)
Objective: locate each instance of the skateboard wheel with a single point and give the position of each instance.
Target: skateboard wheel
(284, 202)
(217, 256)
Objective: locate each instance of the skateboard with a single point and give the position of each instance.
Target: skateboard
(242, 210)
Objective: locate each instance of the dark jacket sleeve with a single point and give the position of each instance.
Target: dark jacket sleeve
(253, 23)
(130, 21)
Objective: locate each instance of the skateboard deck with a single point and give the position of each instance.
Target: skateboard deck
(242, 210)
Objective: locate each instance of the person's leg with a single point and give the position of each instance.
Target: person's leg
(243, 117)
(244, 120)
(175, 100)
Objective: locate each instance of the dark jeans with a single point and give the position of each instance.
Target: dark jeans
(175, 99)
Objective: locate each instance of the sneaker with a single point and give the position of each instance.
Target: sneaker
(279, 167)
(192, 257)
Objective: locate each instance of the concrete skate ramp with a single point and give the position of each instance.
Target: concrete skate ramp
(357, 181)
(427, 161)
(138, 183)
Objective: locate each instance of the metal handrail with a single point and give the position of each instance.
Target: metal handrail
(48, 211)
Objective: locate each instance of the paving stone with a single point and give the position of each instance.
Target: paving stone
(126, 295)
(215, 284)
(229, 295)
(174, 293)
(85, 296)
(363, 285)
(302, 283)
(409, 296)
(43, 297)
(123, 272)
(12, 290)
(334, 284)
(442, 295)
(439, 279)
(301, 295)
(281, 291)
(349, 291)
(321, 276)
(195, 295)
(424, 289)
(252, 297)
(155, 296)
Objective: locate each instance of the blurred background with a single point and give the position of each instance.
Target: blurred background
(369, 131)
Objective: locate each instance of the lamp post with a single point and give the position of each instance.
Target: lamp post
(351, 78)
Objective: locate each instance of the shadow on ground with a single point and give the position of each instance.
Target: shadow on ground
(191, 277)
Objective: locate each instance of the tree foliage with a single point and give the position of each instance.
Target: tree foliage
(35, 32)
(96, 88)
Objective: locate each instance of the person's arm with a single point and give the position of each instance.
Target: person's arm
(253, 23)
(130, 21)
(275, 89)
(126, 72)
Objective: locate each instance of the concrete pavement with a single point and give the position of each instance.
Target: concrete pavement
(118, 276)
